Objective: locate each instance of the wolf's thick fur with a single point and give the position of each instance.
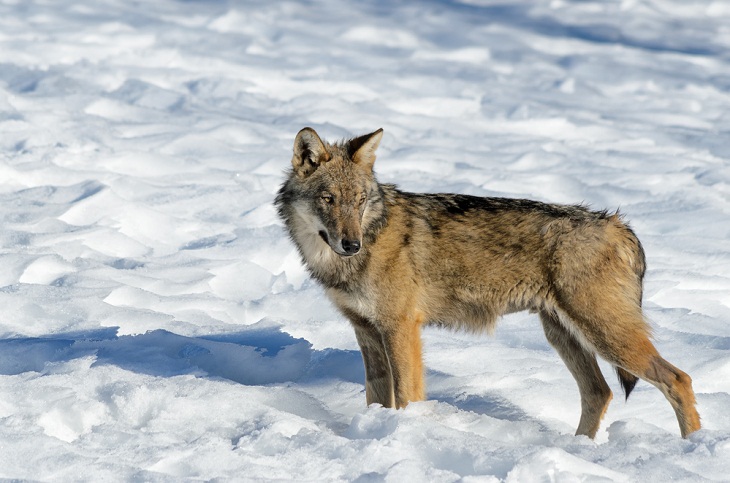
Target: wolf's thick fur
(393, 261)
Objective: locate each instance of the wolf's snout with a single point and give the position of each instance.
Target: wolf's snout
(351, 247)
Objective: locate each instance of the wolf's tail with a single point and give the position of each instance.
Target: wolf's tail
(627, 380)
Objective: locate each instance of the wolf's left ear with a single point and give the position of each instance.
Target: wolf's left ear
(362, 149)
(309, 152)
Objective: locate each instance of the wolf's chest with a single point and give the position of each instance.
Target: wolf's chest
(354, 301)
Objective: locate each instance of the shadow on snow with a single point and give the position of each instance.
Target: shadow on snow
(519, 15)
(256, 356)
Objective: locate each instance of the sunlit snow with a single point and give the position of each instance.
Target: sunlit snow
(157, 324)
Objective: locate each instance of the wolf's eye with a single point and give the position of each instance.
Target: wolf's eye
(363, 198)
(329, 199)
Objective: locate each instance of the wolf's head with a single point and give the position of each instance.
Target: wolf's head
(333, 189)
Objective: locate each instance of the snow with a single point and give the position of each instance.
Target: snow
(157, 324)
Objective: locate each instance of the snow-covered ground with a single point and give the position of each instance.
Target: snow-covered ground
(157, 324)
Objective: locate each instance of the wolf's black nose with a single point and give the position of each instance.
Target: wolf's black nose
(351, 247)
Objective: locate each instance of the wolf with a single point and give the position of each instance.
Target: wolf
(393, 262)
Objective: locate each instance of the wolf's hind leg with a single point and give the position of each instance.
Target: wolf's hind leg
(621, 337)
(378, 377)
(637, 355)
(677, 388)
(594, 391)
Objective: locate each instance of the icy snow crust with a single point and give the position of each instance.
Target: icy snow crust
(157, 324)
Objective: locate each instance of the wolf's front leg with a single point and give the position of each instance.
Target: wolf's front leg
(378, 378)
(403, 348)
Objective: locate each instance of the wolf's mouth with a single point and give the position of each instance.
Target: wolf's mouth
(323, 236)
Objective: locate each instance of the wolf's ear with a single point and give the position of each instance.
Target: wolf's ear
(309, 152)
(362, 149)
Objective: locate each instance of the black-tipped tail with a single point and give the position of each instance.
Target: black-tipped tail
(627, 380)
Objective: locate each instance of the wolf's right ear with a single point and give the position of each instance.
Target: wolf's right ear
(309, 152)
(362, 149)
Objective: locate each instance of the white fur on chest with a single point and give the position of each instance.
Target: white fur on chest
(320, 258)
(354, 302)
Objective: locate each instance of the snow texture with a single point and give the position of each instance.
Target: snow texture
(157, 324)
